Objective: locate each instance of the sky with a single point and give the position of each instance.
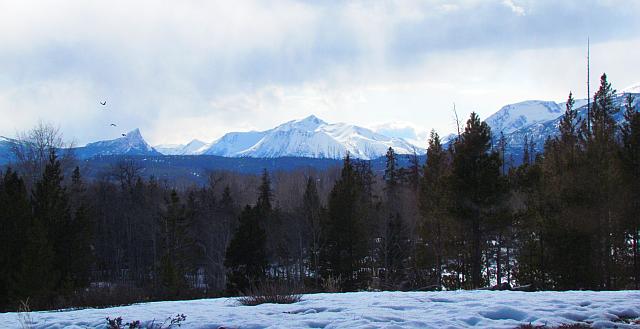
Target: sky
(180, 70)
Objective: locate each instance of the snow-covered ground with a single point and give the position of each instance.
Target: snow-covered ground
(455, 309)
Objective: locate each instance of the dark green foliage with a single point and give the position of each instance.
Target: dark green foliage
(434, 202)
(313, 215)
(344, 230)
(630, 159)
(476, 184)
(246, 258)
(395, 250)
(15, 217)
(176, 245)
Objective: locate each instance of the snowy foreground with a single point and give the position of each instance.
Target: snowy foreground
(455, 309)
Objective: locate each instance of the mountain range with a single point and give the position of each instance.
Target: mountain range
(312, 137)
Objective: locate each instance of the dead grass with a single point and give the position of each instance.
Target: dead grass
(271, 292)
(24, 315)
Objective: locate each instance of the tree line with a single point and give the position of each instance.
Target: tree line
(566, 218)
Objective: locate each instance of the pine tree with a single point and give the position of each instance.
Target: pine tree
(476, 178)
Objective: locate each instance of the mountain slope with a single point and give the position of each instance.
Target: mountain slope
(519, 115)
(193, 147)
(309, 137)
(538, 132)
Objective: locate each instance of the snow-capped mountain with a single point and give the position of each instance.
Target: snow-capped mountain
(309, 137)
(193, 147)
(519, 115)
(232, 144)
(130, 144)
(539, 131)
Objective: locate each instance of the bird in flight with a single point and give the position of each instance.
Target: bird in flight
(113, 125)
(103, 103)
(124, 135)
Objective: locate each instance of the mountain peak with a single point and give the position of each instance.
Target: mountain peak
(134, 134)
(131, 144)
(312, 119)
(309, 123)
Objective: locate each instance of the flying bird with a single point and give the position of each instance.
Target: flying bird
(124, 135)
(103, 103)
(113, 125)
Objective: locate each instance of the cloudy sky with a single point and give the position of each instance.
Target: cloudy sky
(180, 70)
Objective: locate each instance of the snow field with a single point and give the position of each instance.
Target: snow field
(453, 309)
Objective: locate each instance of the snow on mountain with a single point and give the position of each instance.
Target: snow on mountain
(232, 144)
(633, 89)
(309, 137)
(538, 132)
(193, 147)
(519, 115)
(130, 144)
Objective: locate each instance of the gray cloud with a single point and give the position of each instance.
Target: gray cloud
(198, 69)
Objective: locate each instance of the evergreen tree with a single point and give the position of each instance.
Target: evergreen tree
(391, 174)
(312, 213)
(246, 259)
(176, 246)
(601, 157)
(80, 233)
(434, 208)
(15, 216)
(395, 252)
(630, 156)
(51, 226)
(345, 243)
(265, 194)
(476, 179)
